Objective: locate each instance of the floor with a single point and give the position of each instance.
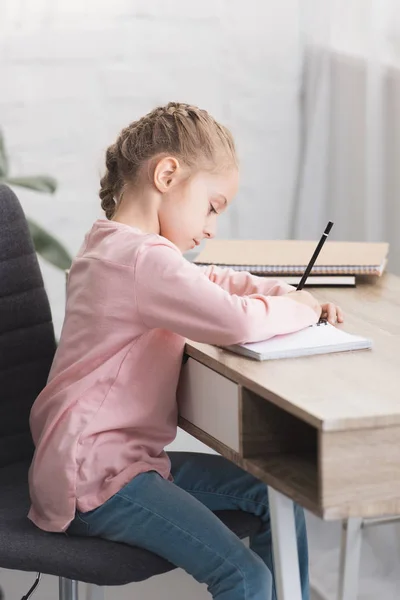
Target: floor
(171, 586)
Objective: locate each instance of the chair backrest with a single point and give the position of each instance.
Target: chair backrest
(27, 343)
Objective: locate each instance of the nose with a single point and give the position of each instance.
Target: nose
(209, 232)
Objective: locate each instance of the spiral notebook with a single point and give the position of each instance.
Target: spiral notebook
(290, 257)
(321, 338)
(319, 280)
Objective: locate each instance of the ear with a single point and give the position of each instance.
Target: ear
(166, 173)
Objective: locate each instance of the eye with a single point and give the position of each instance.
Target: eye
(212, 210)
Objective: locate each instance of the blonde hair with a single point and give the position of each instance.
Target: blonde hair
(182, 130)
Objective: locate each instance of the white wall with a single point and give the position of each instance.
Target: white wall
(72, 73)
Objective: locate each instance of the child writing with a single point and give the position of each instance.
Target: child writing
(108, 410)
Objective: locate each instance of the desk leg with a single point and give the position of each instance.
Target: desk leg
(284, 545)
(350, 550)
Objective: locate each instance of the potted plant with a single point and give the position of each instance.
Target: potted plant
(45, 244)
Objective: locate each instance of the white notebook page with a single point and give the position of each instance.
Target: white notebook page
(312, 340)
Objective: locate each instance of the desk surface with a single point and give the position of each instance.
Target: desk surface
(335, 392)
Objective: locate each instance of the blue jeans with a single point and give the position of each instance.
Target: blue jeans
(174, 520)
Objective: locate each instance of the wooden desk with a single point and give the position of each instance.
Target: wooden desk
(322, 430)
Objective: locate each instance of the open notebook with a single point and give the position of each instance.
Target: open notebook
(322, 338)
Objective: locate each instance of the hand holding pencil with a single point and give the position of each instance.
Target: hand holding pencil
(328, 311)
(306, 298)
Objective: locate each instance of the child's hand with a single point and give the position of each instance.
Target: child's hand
(305, 298)
(332, 313)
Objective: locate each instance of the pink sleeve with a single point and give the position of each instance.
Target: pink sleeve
(243, 283)
(173, 294)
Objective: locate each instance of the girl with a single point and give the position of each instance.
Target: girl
(109, 409)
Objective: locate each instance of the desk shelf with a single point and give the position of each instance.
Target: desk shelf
(275, 442)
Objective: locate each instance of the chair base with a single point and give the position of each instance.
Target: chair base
(68, 589)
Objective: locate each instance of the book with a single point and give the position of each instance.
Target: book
(291, 257)
(322, 338)
(319, 280)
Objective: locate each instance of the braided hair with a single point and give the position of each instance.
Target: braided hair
(182, 130)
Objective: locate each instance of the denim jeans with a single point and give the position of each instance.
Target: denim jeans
(175, 521)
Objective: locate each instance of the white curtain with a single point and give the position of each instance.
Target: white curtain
(350, 102)
(349, 171)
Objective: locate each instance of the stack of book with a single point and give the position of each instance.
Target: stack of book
(338, 264)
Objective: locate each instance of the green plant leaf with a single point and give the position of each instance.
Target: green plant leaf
(39, 183)
(48, 247)
(3, 157)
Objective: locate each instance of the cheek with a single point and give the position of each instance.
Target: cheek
(180, 223)
(190, 222)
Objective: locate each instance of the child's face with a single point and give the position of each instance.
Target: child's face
(189, 213)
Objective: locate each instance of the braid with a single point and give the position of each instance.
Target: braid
(110, 182)
(183, 130)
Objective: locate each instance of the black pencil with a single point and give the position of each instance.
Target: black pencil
(315, 256)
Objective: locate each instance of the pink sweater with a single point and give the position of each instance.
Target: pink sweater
(109, 407)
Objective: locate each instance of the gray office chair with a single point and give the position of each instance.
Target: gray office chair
(27, 347)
